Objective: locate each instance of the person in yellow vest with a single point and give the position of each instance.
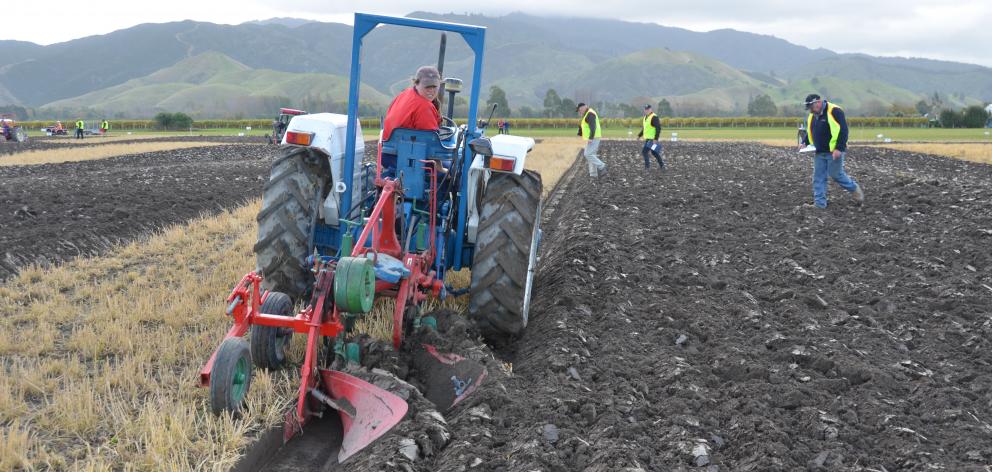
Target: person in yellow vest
(80, 124)
(826, 129)
(591, 131)
(104, 127)
(651, 131)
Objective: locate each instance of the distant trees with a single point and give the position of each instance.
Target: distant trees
(902, 109)
(949, 119)
(527, 112)
(498, 97)
(631, 111)
(173, 121)
(567, 107)
(762, 105)
(552, 104)
(974, 116)
(664, 108)
(19, 112)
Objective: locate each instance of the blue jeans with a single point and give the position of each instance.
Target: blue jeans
(656, 152)
(825, 165)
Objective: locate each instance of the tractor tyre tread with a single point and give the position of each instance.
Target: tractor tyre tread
(508, 222)
(289, 207)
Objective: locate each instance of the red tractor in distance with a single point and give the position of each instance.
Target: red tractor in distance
(9, 131)
(281, 122)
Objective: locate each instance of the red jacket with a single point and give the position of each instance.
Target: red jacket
(410, 110)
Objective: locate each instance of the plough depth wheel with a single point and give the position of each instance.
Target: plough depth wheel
(231, 376)
(354, 285)
(269, 344)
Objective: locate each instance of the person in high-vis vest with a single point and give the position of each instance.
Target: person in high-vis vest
(826, 129)
(80, 124)
(104, 126)
(651, 131)
(591, 131)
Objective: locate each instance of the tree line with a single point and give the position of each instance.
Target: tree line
(931, 111)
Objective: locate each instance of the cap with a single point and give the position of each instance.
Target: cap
(811, 99)
(428, 76)
(647, 107)
(580, 105)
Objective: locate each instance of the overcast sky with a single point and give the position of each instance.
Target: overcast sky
(952, 30)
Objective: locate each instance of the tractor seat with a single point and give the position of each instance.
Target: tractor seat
(400, 135)
(415, 144)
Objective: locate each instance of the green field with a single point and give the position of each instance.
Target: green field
(761, 134)
(150, 133)
(742, 134)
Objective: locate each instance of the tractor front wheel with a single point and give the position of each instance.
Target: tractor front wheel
(230, 377)
(506, 255)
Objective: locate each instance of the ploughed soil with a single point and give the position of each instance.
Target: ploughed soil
(704, 318)
(52, 212)
(60, 142)
(701, 318)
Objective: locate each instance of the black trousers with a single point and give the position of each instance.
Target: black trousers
(657, 155)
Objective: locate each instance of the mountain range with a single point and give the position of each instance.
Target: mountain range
(212, 70)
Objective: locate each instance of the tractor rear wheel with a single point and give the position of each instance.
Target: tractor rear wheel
(506, 255)
(290, 201)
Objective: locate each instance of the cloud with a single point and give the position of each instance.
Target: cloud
(936, 29)
(922, 28)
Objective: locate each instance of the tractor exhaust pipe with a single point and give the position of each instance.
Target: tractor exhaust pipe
(440, 69)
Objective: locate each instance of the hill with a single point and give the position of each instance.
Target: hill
(525, 55)
(213, 84)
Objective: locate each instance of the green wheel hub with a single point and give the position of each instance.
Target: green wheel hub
(230, 377)
(354, 285)
(239, 381)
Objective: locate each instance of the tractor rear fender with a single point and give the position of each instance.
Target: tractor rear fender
(504, 145)
(327, 132)
(507, 146)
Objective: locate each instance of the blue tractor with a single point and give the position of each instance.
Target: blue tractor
(338, 230)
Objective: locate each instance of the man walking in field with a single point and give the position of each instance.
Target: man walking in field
(104, 127)
(591, 131)
(826, 129)
(651, 131)
(80, 124)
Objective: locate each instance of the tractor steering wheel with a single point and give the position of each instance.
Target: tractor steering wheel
(447, 128)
